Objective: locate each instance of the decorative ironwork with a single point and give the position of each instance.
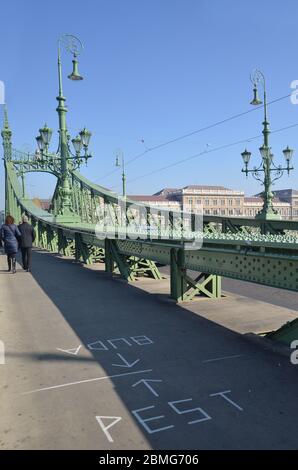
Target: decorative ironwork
(267, 166)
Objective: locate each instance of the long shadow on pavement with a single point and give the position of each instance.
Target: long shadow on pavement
(237, 402)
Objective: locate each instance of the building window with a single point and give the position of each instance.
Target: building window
(215, 202)
(237, 202)
(215, 212)
(207, 211)
(206, 202)
(230, 202)
(223, 202)
(190, 200)
(199, 201)
(230, 211)
(222, 212)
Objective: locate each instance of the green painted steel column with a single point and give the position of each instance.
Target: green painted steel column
(267, 211)
(6, 135)
(123, 184)
(65, 191)
(23, 185)
(109, 259)
(178, 282)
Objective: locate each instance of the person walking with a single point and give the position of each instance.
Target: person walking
(9, 234)
(27, 239)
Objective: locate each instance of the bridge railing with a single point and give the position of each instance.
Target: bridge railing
(212, 223)
(270, 259)
(88, 198)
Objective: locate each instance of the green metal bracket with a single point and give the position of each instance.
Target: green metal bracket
(109, 259)
(210, 228)
(52, 241)
(143, 267)
(64, 246)
(130, 267)
(82, 251)
(98, 254)
(228, 226)
(184, 288)
(114, 257)
(43, 238)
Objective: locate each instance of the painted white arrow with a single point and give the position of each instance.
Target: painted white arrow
(73, 351)
(126, 363)
(145, 382)
(115, 420)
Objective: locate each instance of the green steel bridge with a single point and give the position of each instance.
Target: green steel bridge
(93, 224)
(64, 329)
(259, 251)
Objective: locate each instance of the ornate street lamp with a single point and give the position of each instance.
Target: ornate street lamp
(267, 166)
(120, 162)
(288, 154)
(85, 137)
(62, 162)
(75, 71)
(77, 145)
(40, 143)
(46, 134)
(246, 157)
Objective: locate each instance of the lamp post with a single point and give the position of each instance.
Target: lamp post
(267, 166)
(120, 162)
(64, 160)
(23, 183)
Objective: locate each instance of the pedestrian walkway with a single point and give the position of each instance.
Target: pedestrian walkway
(94, 363)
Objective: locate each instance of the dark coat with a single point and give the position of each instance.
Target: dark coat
(27, 235)
(9, 235)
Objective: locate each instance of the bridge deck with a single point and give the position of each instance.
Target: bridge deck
(72, 338)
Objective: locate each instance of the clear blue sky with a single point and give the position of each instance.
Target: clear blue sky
(153, 69)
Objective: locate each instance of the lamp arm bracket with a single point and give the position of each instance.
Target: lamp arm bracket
(279, 174)
(256, 176)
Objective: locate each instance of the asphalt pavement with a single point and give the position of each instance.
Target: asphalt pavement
(94, 363)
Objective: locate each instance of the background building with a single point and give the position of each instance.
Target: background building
(289, 196)
(212, 200)
(219, 200)
(44, 204)
(253, 205)
(158, 201)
